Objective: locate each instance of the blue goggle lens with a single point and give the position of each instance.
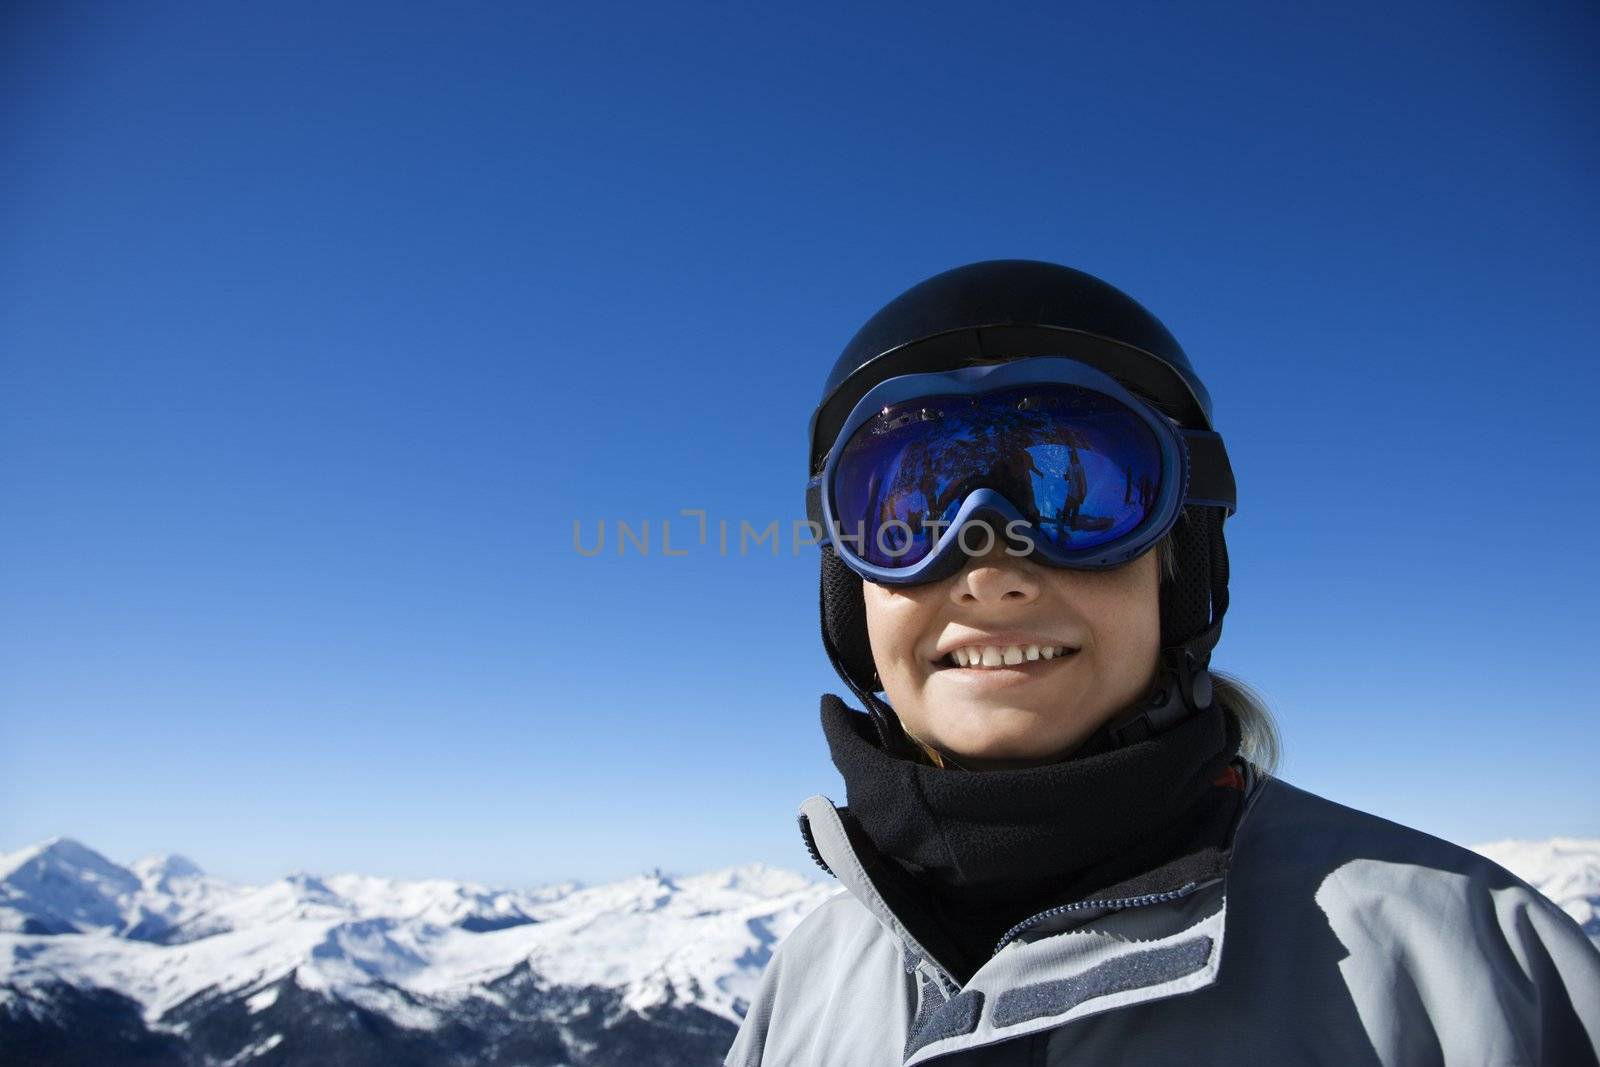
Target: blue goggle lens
(1077, 464)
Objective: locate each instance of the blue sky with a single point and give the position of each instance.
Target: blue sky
(321, 327)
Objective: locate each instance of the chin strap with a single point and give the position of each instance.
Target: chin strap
(893, 735)
(1183, 687)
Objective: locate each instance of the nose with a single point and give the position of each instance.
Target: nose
(996, 578)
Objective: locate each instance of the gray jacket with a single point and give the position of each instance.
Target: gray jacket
(1335, 937)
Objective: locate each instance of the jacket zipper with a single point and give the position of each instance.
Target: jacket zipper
(1251, 792)
(1115, 904)
(811, 845)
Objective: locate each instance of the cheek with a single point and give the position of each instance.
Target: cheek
(1140, 612)
(893, 627)
(1145, 628)
(1125, 605)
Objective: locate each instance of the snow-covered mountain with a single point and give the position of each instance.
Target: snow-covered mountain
(99, 962)
(160, 963)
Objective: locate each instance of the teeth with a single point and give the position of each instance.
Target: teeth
(1003, 656)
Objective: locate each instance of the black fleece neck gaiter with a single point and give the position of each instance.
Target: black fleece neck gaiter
(971, 852)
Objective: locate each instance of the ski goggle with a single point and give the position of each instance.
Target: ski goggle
(1044, 450)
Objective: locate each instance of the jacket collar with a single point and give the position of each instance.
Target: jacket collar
(1056, 967)
(961, 857)
(1027, 833)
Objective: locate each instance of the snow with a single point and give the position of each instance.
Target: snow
(165, 871)
(63, 886)
(403, 948)
(250, 1052)
(262, 1000)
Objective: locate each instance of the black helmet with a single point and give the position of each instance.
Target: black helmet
(1004, 309)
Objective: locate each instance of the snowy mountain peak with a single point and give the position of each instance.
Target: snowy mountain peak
(61, 886)
(309, 887)
(757, 879)
(64, 856)
(168, 938)
(162, 870)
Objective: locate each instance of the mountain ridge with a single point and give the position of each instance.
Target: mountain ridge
(194, 969)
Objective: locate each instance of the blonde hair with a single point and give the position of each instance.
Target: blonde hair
(1258, 732)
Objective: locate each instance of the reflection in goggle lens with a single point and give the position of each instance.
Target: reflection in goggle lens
(1077, 464)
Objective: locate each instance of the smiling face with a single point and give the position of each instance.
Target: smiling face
(1028, 706)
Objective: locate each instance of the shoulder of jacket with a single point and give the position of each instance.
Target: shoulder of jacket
(839, 942)
(1296, 835)
(839, 919)
(1311, 825)
(1429, 938)
(834, 985)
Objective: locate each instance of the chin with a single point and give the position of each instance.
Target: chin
(1008, 734)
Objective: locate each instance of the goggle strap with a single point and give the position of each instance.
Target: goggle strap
(1210, 473)
(814, 506)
